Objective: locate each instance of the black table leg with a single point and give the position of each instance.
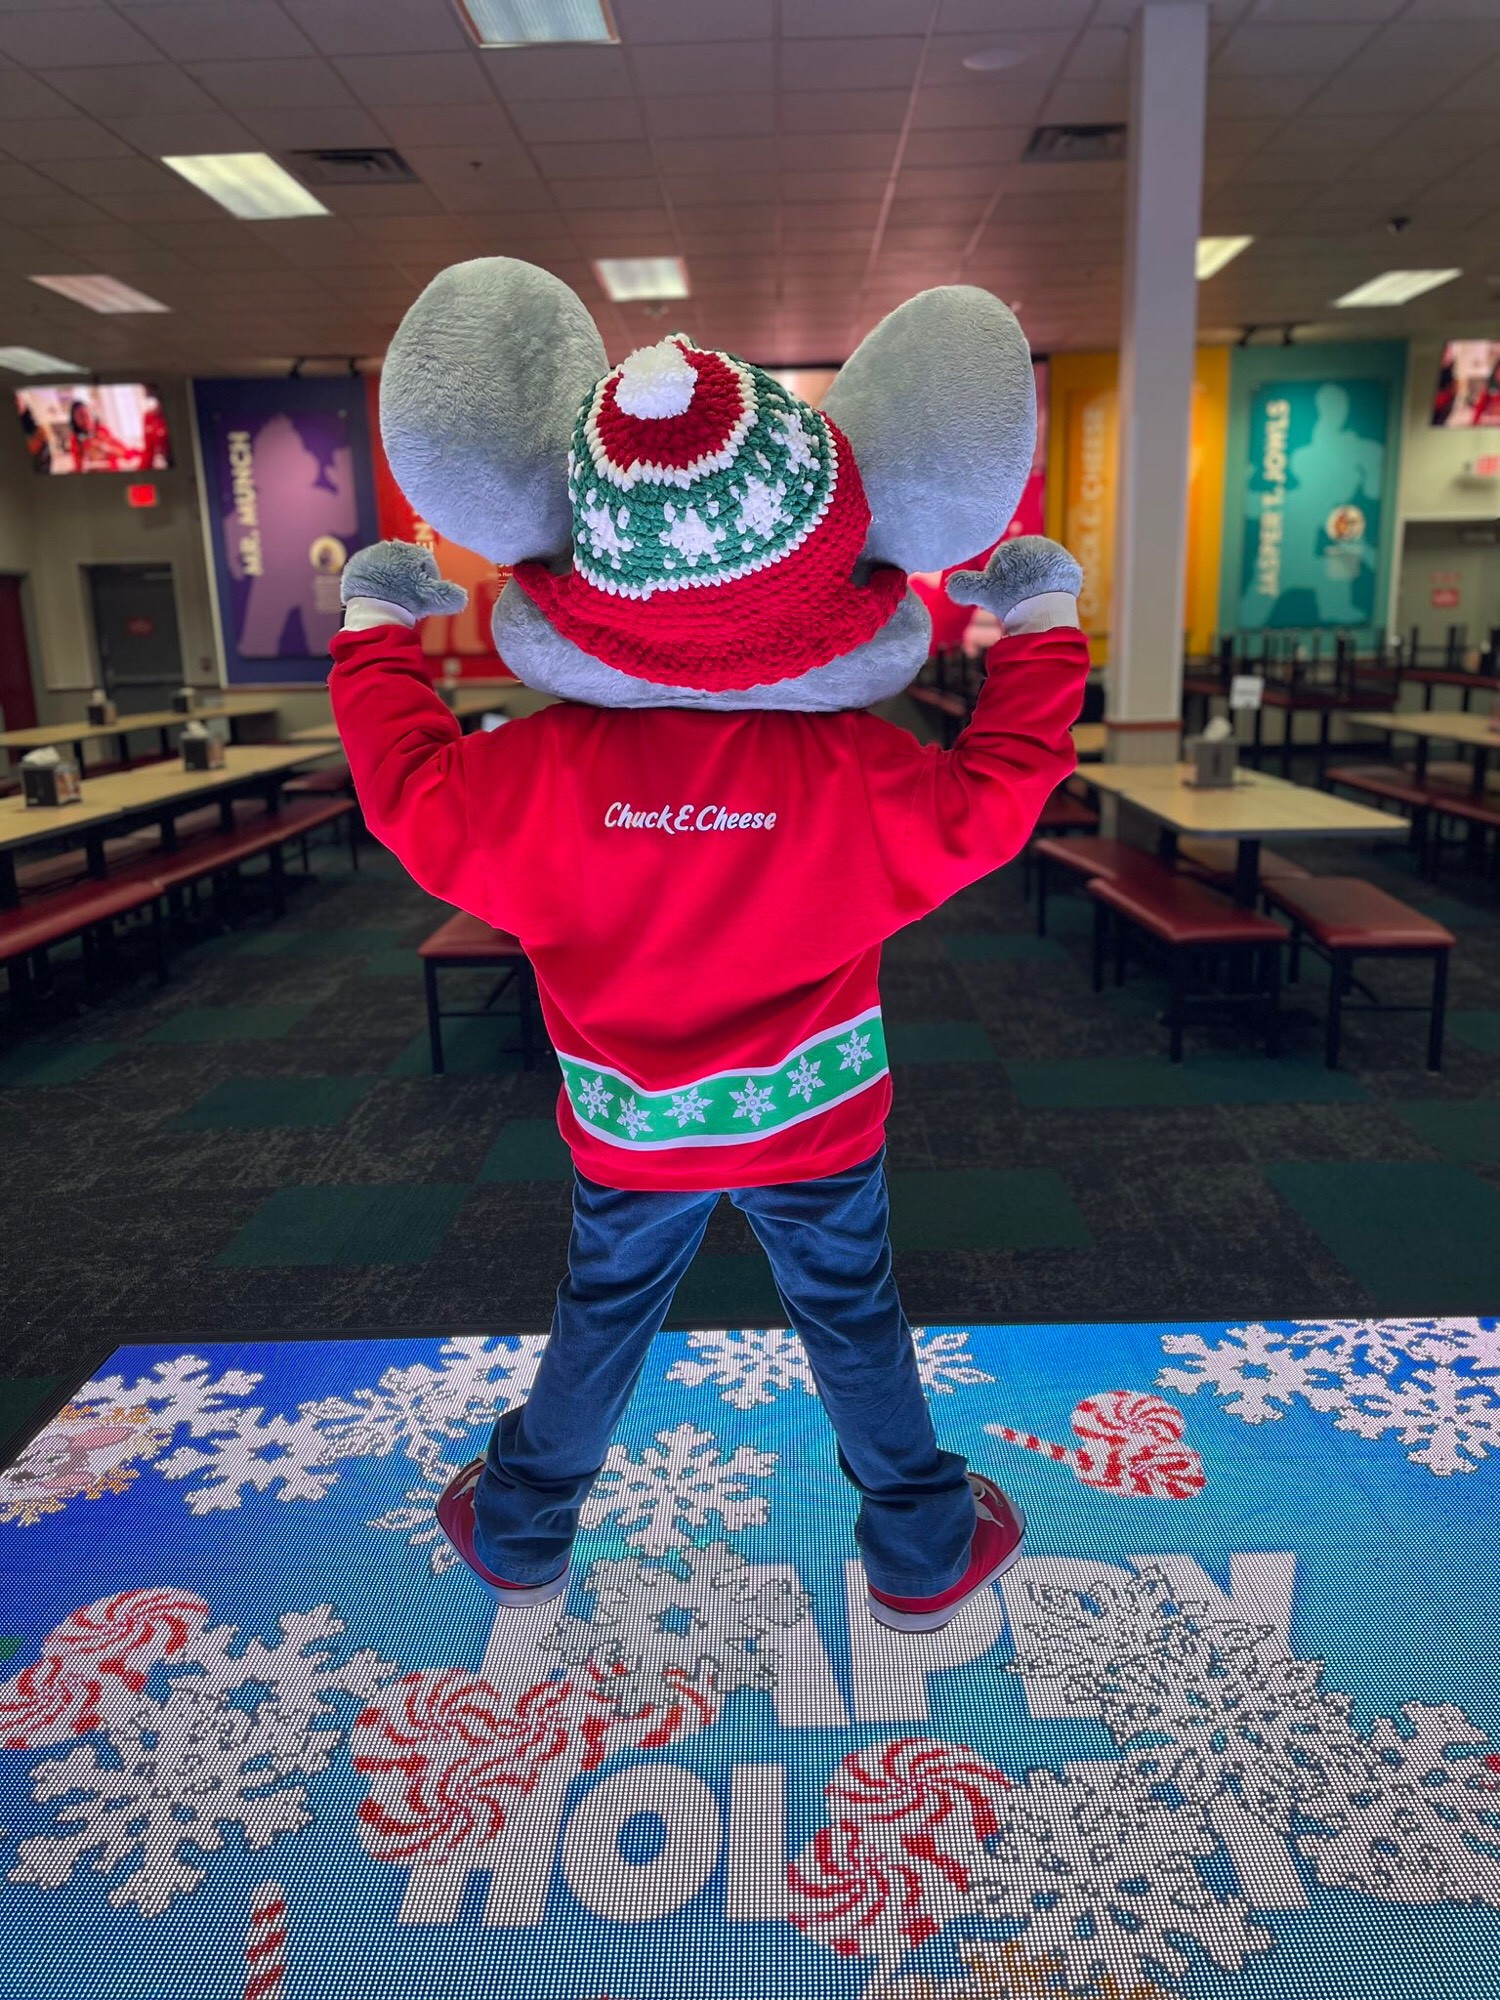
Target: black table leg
(10, 894)
(1481, 770)
(1422, 748)
(1247, 873)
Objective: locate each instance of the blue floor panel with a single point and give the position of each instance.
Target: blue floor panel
(1231, 1725)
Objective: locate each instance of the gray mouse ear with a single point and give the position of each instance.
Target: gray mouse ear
(939, 404)
(478, 396)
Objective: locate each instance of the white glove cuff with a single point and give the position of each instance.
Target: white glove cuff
(1042, 613)
(360, 613)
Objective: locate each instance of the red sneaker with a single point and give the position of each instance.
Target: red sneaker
(455, 1512)
(998, 1529)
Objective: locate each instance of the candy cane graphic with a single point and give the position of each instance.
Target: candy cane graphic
(1129, 1444)
(265, 1947)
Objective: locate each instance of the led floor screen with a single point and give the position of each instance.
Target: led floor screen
(1231, 1726)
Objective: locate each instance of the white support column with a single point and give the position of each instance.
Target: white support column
(1169, 62)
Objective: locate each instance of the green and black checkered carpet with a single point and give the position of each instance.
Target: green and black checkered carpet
(259, 1148)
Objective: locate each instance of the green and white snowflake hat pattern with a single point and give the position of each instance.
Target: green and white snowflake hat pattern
(692, 468)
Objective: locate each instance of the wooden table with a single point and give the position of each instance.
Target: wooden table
(44, 735)
(1256, 807)
(1469, 680)
(468, 706)
(1474, 732)
(151, 792)
(1089, 738)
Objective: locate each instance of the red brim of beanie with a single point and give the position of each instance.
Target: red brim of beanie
(779, 622)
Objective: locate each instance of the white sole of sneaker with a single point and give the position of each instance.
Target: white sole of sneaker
(517, 1596)
(934, 1621)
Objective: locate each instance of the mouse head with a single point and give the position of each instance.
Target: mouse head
(684, 531)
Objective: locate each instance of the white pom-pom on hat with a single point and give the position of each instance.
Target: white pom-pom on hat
(655, 381)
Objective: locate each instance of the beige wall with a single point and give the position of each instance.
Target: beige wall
(1433, 484)
(50, 527)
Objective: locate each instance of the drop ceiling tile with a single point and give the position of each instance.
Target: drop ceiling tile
(379, 27)
(797, 189)
(1253, 96)
(445, 166)
(800, 219)
(134, 90)
(316, 241)
(128, 175)
(23, 96)
(220, 30)
(43, 139)
(1284, 48)
(555, 73)
(354, 203)
(415, 79)
(711, 155)
(823, 152)
(1099, 53)
(41, 37)
(716, 190)
(586, 161)
(159, 133)
(592, 118)
(863, 17)
(980, 17)
(306, 81)
(1086, 101)
(692, 21)
(475, 124)
(998, 143)
(939, 185)
(1475, 92)
(1458, 45)
(880, 62)
(951, 107)
(305, 127)
(608, 193)
(700, 68)
(843, 111)
(182, 204)
(732, 116)
(498, 198)
(91, 244)
(44, 211)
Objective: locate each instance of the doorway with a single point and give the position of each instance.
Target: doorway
(17, 690)
(1450, 577)
(136, 640)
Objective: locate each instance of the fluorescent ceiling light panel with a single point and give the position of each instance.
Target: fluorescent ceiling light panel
(1214, 252)
(102, 294)
(250, 185)
(1394, 288)
(628, 278)
(513, 24)
(31, 361)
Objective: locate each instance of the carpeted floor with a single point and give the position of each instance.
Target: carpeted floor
(259, 1147)
(1228, 1727)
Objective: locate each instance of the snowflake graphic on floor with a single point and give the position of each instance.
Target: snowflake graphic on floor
(1434, 1384)
(678, 1484)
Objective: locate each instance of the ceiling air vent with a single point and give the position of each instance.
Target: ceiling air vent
(1057, 143)
(350, 166)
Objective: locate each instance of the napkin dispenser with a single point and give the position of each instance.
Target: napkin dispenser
(50, 779)
(1215, 755)
(202, 750)
(185, 701)
(101, 708)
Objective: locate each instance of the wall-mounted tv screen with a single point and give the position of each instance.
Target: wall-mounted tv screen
(1468, 386)
(95, 427)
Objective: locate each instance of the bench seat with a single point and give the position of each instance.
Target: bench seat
(462, 940)
(1381, 781)
(471, 941)
(1348, 918)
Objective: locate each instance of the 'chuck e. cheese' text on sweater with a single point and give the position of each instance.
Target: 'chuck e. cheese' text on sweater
(702, 893)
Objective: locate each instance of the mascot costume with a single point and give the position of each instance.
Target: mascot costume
(703, 842)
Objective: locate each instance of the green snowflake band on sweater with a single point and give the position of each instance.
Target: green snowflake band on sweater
(752, 473)
(734, 1107)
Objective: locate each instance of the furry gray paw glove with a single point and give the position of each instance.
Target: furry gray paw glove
(401, 574)
(1029, 566)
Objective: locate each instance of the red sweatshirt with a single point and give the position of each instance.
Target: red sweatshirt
(703, 895)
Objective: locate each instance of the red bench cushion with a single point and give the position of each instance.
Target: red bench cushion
(1093, 854)
(466, 937)
(1380, 781)
(1179, 911)
(66, 912)
(1343, 913)
(1062, 811)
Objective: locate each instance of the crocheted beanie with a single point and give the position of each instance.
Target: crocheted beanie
(717, 521)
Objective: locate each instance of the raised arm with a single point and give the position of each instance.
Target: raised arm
(947, 817)
(414, 770)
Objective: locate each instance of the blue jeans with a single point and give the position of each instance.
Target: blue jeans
(830, 1255)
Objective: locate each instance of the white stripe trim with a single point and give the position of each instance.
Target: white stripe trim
(718, 1075)
(726, 1138)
